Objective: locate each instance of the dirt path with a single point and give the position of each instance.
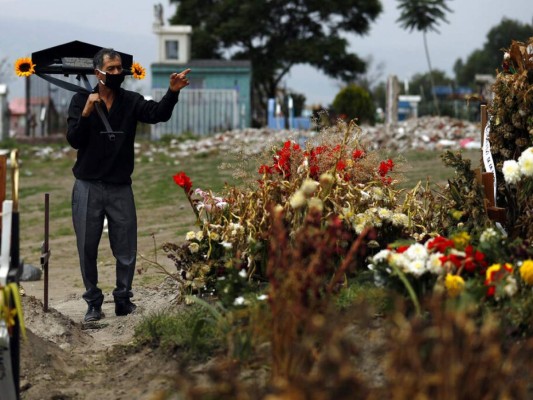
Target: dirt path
(65, 359)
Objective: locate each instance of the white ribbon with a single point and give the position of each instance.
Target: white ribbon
(487, 155)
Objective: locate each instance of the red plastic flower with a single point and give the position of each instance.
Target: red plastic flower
(184, 181)
(385, 167)
(357, 154)
(441, 244)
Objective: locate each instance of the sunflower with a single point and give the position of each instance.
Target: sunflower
(24, 67)
(138, 71)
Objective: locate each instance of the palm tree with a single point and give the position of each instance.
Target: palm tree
(424, 16)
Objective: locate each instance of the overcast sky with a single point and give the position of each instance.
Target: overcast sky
(27, 26)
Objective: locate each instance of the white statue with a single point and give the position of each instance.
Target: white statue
(158, 14)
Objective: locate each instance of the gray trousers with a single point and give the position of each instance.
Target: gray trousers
(91, 202)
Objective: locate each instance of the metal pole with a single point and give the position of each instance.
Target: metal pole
(46, 251)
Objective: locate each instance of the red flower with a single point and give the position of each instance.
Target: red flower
(341, 165)
(264, 169)
(385, 167)
(184, 181)
(357, 154)
(441, 244)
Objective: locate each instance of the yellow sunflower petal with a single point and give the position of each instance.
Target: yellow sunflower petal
(24, 67)
(138, 71)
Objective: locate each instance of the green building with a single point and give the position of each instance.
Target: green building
(219, 95)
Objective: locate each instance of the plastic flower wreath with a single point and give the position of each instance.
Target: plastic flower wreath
(24, 67)
(138, 71)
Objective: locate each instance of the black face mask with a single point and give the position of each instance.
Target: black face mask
(112, 81)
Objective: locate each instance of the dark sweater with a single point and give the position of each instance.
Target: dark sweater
(101, 158)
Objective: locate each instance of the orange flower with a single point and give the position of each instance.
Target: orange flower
(138, 71)
(24, 67)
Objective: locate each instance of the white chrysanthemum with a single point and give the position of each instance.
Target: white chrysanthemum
(488, 235)
(416, 267)
(398, 260)
(511, 287)
(400, 219)
(377, 193)
(214, 236)
(297, 200)
(226, 245)
(511, 171)
(194, 247)
(384, 213)
(199, 235)
(239, 301)
(416, 251)
(525, 161)
(434, 264)
(381, 255)
(242, 273)
(359, 228)
(309, 187)
(190, 236)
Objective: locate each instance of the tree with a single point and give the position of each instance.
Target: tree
(275, 35)
(355, 103)
(424, 16)
(488, 59)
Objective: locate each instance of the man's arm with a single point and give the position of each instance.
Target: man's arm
(78, 126)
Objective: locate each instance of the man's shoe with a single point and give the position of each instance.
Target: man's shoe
(124, 307)
(94, 313)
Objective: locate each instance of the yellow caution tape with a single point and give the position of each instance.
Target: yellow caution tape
(10, 295)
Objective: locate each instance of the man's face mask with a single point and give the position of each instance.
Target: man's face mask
(112, 81)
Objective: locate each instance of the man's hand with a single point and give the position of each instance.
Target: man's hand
(89, 105)
(179, 81)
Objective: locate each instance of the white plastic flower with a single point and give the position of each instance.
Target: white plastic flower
(416, 251)
(398, 260)
(511, 171)
(511, 287)
(525, 161)
(194, 247)
(381, 255)
(384, 213)
(488, 235)
(190, 236)
(226, 245)
(400, 219)
(416, 267)
(199, 235)
(239, 301)
(434, 264)
(377, 193)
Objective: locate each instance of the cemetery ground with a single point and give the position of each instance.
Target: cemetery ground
(62, 358)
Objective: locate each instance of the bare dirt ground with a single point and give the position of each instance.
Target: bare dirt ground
(63, 358)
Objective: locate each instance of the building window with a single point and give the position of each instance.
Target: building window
(171, 49)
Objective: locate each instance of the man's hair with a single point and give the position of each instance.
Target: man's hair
(98, 60)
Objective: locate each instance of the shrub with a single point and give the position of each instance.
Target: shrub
(355, 103)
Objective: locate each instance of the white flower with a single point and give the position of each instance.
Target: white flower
(214, 236)
(359, 228)
(416, 251)
(416, 267)
(242, 273)
(226, 245)
(297, 200)
(511, 171)
(262, 297)
(222, 204)
(488, 235)
(525, 161)
(511, 286)
(434, 264)
(384, 213)
(400, 219)
(309, 187)
(190, 236)
(199, 235)
(399, 261)
(194, 247)
(239, 301)
(377, 193)
(381, 255)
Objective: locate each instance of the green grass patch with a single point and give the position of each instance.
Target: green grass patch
(192, 331)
